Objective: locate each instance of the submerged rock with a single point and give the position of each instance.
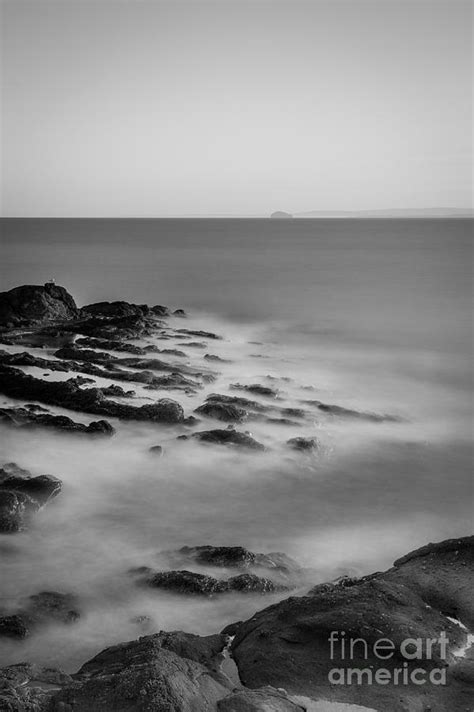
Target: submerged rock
(341, 412)
(156, 450)
(39, 610)
(201, 334)
(228, 437)
(302, 443)
(16, 384)
(33, 304)
(27, 418)
(239, 557)
(257, 389)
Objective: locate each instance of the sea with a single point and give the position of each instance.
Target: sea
(371, 315)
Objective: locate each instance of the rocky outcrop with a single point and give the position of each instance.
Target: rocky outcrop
(257, 389)
(35, 304)
(27, 418)
(227, 412)
(239, 557)
(341, 412)
(16, 384)
(287, 645)
(22, 495)
(302, 444)
(200, 334)
(115, 309)
(164, 672)
(39, 610)
(26, 687)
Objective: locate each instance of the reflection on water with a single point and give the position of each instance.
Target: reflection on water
(370, 493)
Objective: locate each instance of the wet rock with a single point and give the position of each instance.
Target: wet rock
(227, 412)
(282, 421)
(159, 310)
(40, 610)
(81, 381)
(110, 345)
(179, 312)
(341, 412)
(174, 381)
(237, 401)
(256, 389)
(156, 450)
(144, 675)
(194, 344)
(22, 495)
(229, 437)
(26, 359)
(264, 699)
(302, 444)
(239, 557)
(26, 418)
(200, 334)
(286, 645)
(33, 304)
(191, 583)
(17, 384)
(117, 391)
(231, 629)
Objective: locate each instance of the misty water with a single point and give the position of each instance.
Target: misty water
(370, 315)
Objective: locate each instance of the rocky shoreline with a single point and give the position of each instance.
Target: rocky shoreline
(277, 660)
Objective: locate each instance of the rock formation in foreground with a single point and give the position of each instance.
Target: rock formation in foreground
(31, 304)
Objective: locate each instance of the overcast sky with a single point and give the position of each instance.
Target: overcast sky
(180, 107)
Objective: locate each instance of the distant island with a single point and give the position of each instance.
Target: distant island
(281, 214)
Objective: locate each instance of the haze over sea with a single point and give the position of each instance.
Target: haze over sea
(372, 315)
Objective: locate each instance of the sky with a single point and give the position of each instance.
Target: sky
(234, 107)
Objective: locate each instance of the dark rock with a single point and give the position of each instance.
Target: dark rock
(116, 391)
(191, 583)
(239, 557)
(31, 304)
(237, 401)
(159, 310)
(41, 489)
(145, 675)
(200, 334)
(111, 344)
(341, 412)
(213, 357)
(22, 418)
(115, 309)
(39, 610)
(286, 645)
(194, 344)
(156, 450)
(257, 389)
(228, 412)
(302, 443)
(228, 437)
(17, 384)
(282, 421)
(293, 412)
(81, 381)
(265, 699)
(26, 359)
(231, 629)
(179, 312)
(15, 510)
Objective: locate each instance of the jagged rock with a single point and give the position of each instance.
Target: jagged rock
(239, 557)
(194, 344)
(179, 312)
(214, 357)
(201, 334)
(265, 699)
(141, 676)
(286, 645)
(112, 345)
(17, 384)
(116, 391)
(159, 310)
(32, 304)
(228, 437)
(303, 444)
(26, 418)
(257, 389)
(39, 610)
(81, 381)
(228, 412)
(237, 401)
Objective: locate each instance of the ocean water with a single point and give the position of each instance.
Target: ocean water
(373, 315)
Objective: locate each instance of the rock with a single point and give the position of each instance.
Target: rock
(303, 444)
(16, 384)
(194, 344)
(213, 357)
(341, 412)
(111, 344)
(287, 645)
(228, 412)
(81, 381)
(257, 389)
(179, 312)
(239, 557)
(26, 418)
(117, 391)
(22, 495)
(120, 309)
(191, 583)
(228, 437)
(230, 630)
(237, 401)
(159, 310)
(141, 676)
(156, 450)
(39, 610)
(33, 304)
(281, 214)
(200, 334)
(265, 699)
